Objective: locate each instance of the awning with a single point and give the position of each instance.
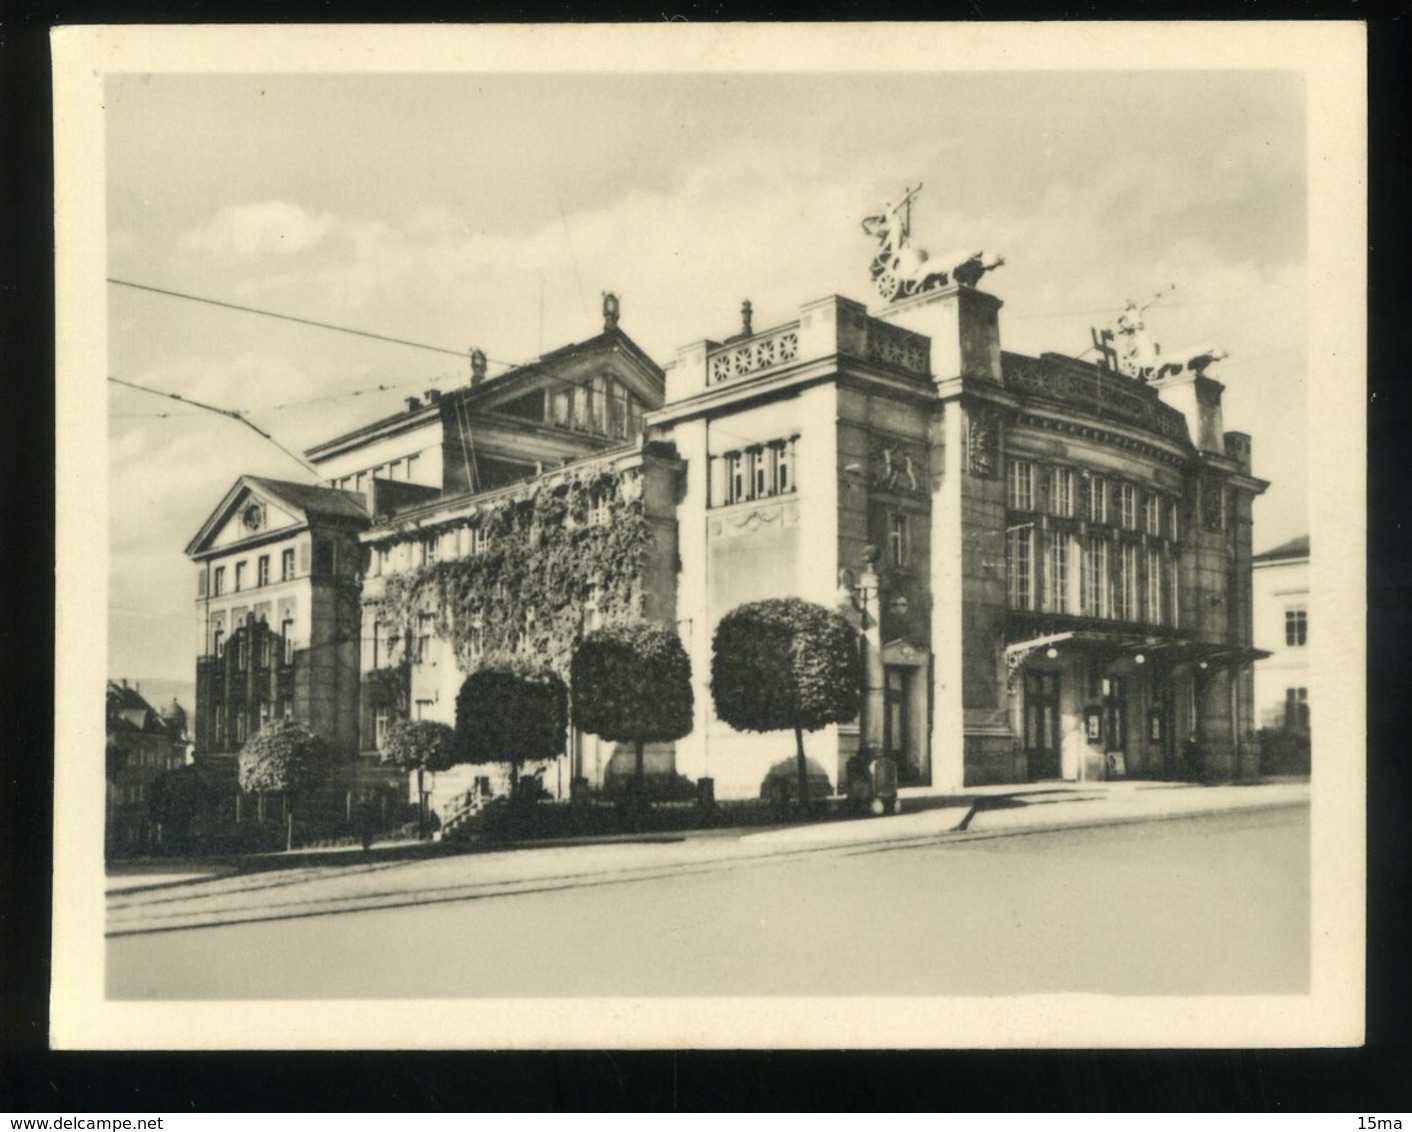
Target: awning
(1116, 644)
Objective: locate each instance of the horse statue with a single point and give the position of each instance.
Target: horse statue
(899, 269)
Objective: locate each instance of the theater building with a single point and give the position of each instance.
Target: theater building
(1048, 560)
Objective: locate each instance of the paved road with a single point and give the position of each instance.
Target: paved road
(1202, 905)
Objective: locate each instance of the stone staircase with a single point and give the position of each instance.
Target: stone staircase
(458, 818)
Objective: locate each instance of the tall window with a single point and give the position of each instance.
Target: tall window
(1056, 573)
(1173, 592)
(1127, 506)
(286, 564)
(897, 538)
(760, 469)
(1125, 584)
(739, 480)
(262, 570)
(381, 718)
(218, 642)
(1019, 567)
(424, 636)
(1173, 523)
(784, 465)
(1020, 490)
(1296, 626)
(598, 514)
(242, 655)
(475, 641)
(1061, 491)
(1152, 513)
(1098, 500)
(220, 725)
(239, 576)
(1154, 586)
(220, 581)
(263, 652)
(240, 727)
(286, 634)
(1297, 709)
(1095, 577)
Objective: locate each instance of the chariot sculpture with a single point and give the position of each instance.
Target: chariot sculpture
(899, 270)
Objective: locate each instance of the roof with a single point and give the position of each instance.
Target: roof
(1297, 547)
(127, 710)
(324, 502)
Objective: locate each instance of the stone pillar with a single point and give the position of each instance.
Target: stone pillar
(870, 730)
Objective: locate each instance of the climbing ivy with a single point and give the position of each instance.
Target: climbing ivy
(549, 550)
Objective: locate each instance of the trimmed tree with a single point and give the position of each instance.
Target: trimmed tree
(286, 758)
(785, 665)
(511, 711)
(420, 745)
(181, 797)
(632, 684)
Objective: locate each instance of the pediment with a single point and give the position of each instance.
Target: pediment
(247, 514)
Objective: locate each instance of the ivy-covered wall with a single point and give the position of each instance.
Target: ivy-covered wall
(559, 548)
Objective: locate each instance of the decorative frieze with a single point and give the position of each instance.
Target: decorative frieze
(895, 346)
(761, 353)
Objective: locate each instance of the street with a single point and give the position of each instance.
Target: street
(1215, 904)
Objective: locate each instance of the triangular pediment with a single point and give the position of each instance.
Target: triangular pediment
(247, 514)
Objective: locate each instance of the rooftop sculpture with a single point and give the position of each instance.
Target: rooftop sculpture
(1138, 356)
(899, 269)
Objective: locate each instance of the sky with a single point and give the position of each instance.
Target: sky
(492, 210)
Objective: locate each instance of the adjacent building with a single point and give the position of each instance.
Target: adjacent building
(1280, 580)
(1048, 560)
(142, 743)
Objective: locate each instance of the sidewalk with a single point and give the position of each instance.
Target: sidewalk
(399, 876)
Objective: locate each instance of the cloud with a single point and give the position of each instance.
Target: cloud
(251, 231)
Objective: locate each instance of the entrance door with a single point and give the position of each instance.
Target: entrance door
(1115, 727)
(896, 737)
(1042, 724)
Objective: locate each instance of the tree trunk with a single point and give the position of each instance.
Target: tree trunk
(803, 771)
(421, 807)
(288, 825)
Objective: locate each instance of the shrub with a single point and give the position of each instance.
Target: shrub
(632, 684)
(785, 664)
(420, 745)
(287, 758)
(511, 711)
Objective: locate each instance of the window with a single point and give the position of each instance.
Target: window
(264, 715)
(598, 514)
(240, 727)
(218, 642)
(424, 635)
(1095, 577)
(1173, 526)
(1152, 514)
(735, 463)
(1061, 492)
(1056, 573)
(242, 656)
(380, 722)
(1020, 495)
(760, 466)
(430, 548)
(286, 633)
(898, 539)
(1125, 584)
(1173, 592)
(1019, 566)
(286, 564)
(1127, 506)
(264, 649)
(784, 466)
(1098, 500)
(475, 641)
(1154, 586)
(220, 725)
(1297, 709)
(220, 582)
(239, 576)
(479, 540)
(1296, 626)
(381, 562)
(262, 570)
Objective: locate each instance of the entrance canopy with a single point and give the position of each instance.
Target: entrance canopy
(1115, 644)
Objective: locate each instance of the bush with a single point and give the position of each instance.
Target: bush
(513, 712)
(184, 799)
(283, 757)
(781, 781)
(785, 664)
(632, 684)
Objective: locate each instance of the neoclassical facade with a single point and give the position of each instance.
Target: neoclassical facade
(1048, 560)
